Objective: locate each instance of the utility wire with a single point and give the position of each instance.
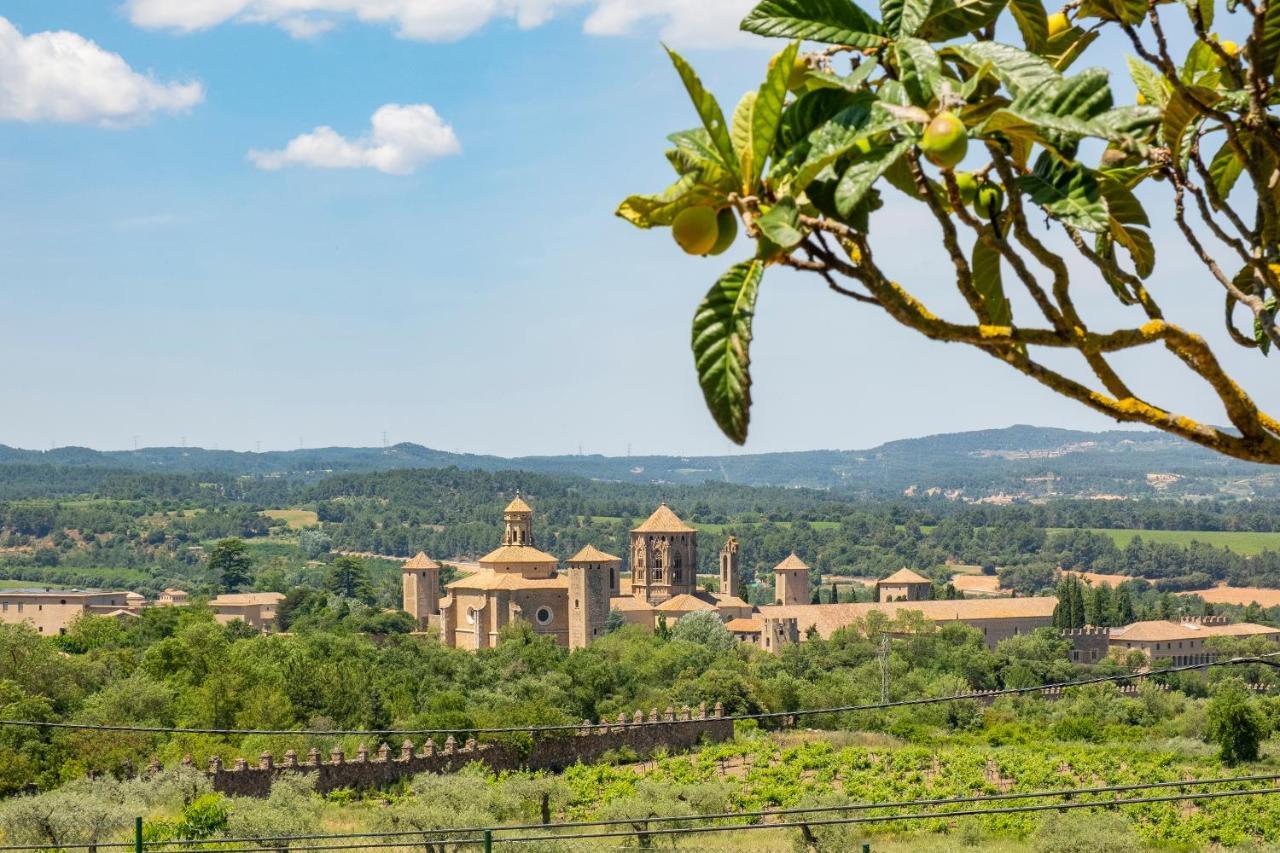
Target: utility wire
(579, 727)
(763, 813)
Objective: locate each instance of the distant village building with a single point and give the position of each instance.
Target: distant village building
(171, 597)
(51, 612)
(256, 609)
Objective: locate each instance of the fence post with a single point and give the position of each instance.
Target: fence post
(866, 848)
(137, 835)
(488, 841)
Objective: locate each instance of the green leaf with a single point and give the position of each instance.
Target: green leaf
(827, 21)
(781, 223)
(1149, 81)
(1201, 62)
(1225, 169)
(646, 211)
(919, 69)
(985, 267)
(1138, 243)
(1122, 204)
(721, 346)
(903, 17)
(708, 110)
(740, 136)
(1015, 68)
(1201, 10)
(837, 137)
(766, 116)
(1180, 115)
(1032, 23)
(1125, 11)
(694, 155)
(950, 19)
(864, 172)
(809, 111)
(1268, 47)
(1069, 192)
(1067, 46)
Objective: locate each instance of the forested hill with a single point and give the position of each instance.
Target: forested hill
(1021, 461)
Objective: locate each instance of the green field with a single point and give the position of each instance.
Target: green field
(18, 584)
(1240, 541)
(295, 518)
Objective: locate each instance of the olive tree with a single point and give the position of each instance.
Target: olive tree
(900, 101)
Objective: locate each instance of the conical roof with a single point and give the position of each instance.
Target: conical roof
(791, 562)
(518, 505)
(592, 554)
(663, 520)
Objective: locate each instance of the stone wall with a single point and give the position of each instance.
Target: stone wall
(641, 734)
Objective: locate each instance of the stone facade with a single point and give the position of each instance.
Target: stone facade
(1088, 644)
(791, 581)
(670, 730)
(420, 582)
(730, 568)
(664, 558)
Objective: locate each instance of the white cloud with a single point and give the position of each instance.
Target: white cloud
(63, 76)
(701, 23)
(401, 138)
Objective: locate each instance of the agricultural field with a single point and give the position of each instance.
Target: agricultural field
(296, 519)
(1245, 542)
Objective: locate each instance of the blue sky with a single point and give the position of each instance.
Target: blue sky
(160, 283)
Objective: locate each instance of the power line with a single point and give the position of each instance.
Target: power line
(578, 727)
(866, 819)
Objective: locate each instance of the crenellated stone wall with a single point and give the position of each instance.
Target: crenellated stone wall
(670, 730)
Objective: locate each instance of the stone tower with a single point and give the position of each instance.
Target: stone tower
(730, 577)
(420, 583)
(791, 581)
(589, 573)
(517, 519)
(664, 557)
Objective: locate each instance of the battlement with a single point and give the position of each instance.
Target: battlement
(1199, 620)
(640, 733)
(1086, 631)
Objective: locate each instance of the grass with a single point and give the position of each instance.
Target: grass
(296, 519)
(20, 584)
(1245, 542)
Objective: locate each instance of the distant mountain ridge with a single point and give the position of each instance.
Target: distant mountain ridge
(1019, 461)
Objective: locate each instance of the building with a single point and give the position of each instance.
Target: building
(420, 588)
(904, 585)
(518, 581)
(171, 597)
(791, 581)
(997, 618)
(256, 609)
(51, 612)
(1182, 642)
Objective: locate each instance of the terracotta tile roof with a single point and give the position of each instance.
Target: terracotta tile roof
(592, 554)
(241, 598)
(628, 602)
(487, 579)
(518, 505)
(791, 562)
(905, 576)
(828, 618)
(663, 520)
(421, 561)
(1159, 631)
(726, 600)
(508, 554)
(685, 603)
(745, 626)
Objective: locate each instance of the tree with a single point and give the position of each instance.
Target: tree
(314, 544)
(705, 628)
(804, 160)
(348, 577)
(230, 564)
(1233, 721)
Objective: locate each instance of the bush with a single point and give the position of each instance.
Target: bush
(1085, 832)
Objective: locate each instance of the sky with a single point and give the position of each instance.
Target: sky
(266, 223)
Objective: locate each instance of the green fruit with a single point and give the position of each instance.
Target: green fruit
(945, 141)
(695, 229)
(967, 186)
(990, 200)
(727, 226)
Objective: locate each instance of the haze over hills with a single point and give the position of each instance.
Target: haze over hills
(1019, 461)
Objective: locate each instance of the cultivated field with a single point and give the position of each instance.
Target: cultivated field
(1241, 541)
(295, 518)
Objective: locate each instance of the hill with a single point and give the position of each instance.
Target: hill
(1025, 462)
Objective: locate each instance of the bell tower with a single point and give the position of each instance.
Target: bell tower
(517, 519)
(730, 578)
(420, 587)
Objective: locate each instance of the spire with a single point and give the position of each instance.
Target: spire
(518, 521)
